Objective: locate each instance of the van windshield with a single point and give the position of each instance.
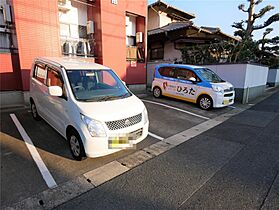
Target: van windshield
(96, 85)
(209, 75)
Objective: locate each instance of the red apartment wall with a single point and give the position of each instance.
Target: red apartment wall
(94, 13)
(113, 36)
(10, 78)
(137, 75)
(138, 7)
(112, 27)
(37, 29)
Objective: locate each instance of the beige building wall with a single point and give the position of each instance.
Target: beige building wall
(171, 54)
(153, 20)
(164, 20)
(157, 20)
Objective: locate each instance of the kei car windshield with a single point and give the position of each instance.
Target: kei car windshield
(209, 75)
(96, 85)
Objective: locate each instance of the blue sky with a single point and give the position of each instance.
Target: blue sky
(222, 13)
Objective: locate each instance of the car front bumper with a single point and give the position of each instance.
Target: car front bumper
(223, 99)
(100, 146)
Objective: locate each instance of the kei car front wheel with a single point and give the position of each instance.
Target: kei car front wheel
(205, 102)
(76, 146)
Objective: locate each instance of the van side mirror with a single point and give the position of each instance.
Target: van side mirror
(193, 79)
(55, 91)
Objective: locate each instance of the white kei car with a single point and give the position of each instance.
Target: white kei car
(88, 105)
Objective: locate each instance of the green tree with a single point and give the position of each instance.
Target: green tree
(248, 49)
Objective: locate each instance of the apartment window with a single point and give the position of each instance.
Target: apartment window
(157, 51)
(134, 39)
(6, 26)
(130, 30)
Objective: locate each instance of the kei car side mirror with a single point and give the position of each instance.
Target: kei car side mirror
(193, 79)
(55, 91)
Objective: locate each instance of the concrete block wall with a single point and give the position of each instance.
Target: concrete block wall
(273, 77)
(150, 68)
(249, 80)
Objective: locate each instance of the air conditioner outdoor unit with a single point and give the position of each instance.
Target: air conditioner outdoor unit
(90, 27)
(64, 5)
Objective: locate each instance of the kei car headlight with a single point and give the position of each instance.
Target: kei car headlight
(145, 116)
(95, 128)
(217, 88)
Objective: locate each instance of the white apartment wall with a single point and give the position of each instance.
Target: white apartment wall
(76, 15)
(69, 21)
(130, 25)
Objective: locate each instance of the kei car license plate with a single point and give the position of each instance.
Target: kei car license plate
(122, 141)
(227, 101)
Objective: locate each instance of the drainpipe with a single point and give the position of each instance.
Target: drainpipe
(247, 95)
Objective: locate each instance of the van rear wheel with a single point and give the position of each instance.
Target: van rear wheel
(76, 146)
(157, 93)
(34, 111)
(205, 102)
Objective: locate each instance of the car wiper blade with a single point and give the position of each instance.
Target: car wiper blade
(106, 98)
(125, 95)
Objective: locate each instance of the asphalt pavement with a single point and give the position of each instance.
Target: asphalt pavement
(234, 165)
(20, 177)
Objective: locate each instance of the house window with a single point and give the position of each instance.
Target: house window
(157, 51)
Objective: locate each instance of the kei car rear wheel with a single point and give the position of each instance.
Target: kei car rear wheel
(34, 111)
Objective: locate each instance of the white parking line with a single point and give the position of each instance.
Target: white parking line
(156, 136)
(177, 109)
(35, 155)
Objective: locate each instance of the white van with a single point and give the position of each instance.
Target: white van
(88, 105)
(195, 84)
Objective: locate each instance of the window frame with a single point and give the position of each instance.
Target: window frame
(42, 66)
(186, 69)
(58, 71)
(50, 68)
(171, 69)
